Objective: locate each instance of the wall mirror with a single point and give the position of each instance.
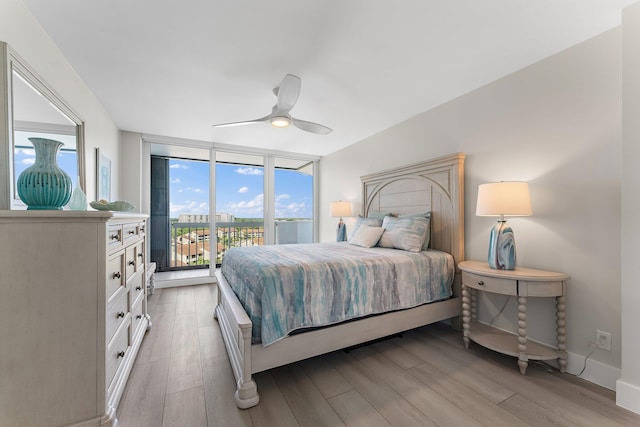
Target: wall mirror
(35, 110)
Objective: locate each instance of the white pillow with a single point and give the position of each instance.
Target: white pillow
(373, 222)
(366, 236)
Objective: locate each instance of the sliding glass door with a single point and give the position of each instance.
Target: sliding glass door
(293, 201)
(239, 201)
(180, 232)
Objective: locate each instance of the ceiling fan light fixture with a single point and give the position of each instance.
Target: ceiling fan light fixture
(287, 94)
(280, 122)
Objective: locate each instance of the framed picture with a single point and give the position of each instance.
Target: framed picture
(103, 176)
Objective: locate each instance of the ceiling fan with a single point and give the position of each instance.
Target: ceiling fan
(287, 94)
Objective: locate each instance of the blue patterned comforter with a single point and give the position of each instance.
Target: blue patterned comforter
(288, 287)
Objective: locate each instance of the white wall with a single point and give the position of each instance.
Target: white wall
(555, 124)
(131, 161)
(628, 388)
(27, 38)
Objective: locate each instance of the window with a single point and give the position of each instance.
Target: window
(293, 199)
(260, 198)
(239, 201)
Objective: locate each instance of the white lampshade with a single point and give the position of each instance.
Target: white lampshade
(340, 209)
(508, 198)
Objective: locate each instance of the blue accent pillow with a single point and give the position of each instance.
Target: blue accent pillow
(427, 239)
(379, 215)
(406, 233)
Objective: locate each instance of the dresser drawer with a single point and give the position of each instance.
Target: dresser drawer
(140, 256)
(137, 316)
(137, 288)
(130, 261)
(115, 315)
(114, 237)
(116, 351)
(142, 228)
(115, 274)
(490, 284)
(131, 233)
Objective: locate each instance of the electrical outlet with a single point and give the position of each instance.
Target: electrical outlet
(603, 340)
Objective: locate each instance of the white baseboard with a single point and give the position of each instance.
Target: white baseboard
(628, 396)
(596, 372)
(186, 281)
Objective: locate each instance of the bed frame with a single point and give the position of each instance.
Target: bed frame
(436, 185)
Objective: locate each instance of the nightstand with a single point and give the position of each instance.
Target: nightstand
(521, 283)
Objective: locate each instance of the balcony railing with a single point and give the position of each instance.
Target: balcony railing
(191, 241)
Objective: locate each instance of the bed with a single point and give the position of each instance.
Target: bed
(435, 186)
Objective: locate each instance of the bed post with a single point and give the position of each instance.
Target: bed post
(246, 394)
(235, 327)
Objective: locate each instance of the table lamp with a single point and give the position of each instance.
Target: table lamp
(340, 209)
(506, 198)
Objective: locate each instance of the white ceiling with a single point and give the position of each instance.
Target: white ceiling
(174, 68)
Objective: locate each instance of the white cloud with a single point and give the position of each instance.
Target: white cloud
(189, 207)
(246, 208)
(243, 190)
(254, 208)
(28, 161)
(291, 210)
(26, 151)
(194, 190)
(249, 171)
(175, 181)
(178, 166)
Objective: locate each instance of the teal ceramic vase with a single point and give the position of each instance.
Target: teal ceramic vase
(44, 185)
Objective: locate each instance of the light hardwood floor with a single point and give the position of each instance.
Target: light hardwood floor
(182, 377)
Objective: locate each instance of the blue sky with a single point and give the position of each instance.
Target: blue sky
(239, 190)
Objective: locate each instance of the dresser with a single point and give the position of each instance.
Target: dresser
(73, 313)
(522, 283)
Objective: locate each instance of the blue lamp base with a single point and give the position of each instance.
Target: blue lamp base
(341, 232)
(502, 247)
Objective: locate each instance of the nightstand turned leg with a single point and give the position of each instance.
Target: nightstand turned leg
(561, 329)
(474, 305)
(466, 315)
(523, 358)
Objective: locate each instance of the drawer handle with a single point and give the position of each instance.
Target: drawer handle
(480, 283)
(117, 275)
(139, 316)
(138, 288)
(115, 236)
(132, 232)
(132, 262)
(120, 354)
(140, 255)
(120, 314)
(142, 229)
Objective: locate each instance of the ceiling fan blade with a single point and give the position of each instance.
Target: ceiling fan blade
(311, 127)
(246, 122)
(287, 93)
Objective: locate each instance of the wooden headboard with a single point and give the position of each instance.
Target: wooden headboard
(437, 186)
